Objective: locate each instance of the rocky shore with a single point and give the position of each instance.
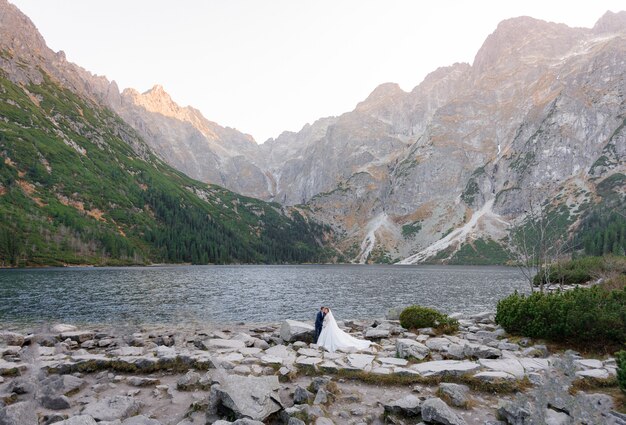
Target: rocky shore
(273, 374)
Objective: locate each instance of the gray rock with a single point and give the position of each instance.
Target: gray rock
(141, 420)
(319, 382)
(78, 420)
(188, 381)
(246, 396)
(22, 413)
(12, 338)
(377, 333)
(301, 395)
(292, 330)
(321, 397)
(456, 393)
(552, 417)
(409, 405)
(323, 421)
(62, 384)
(112, 408)
(445, 367)
(78, 336)
(436, 411)
(407, 348)
(55, 402)
(514, 414)
(295, 421)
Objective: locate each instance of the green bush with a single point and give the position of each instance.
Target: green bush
(582, 270)
(415, 317)
(620, 356)
(583, 315)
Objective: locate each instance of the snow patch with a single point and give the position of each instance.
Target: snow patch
(457, 236)
(369, 242)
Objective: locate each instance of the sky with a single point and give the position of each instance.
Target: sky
(266, 66)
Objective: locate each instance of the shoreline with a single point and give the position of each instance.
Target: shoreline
(182, 374)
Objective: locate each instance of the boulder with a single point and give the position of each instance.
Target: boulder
(407, 348)
(593, 373)
(292, 330)
(249, 397)
(360, 361)
(188, 381)
(377, 333)
(513, 413)
(434, 410)
(112, 408)
(552, 417)
(62, 384)
(409, 405)
(62, 327)
(55, 402)
(12, 338)
(302, 396)
(22, 413)
(321, 397)
(494, 376)
(78, 420)
(456, 393)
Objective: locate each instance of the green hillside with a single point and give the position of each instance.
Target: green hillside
(78, 186)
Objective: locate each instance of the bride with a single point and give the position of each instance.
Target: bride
(332, 338)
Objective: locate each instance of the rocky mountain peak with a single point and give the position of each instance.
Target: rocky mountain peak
(524, 40)
(18, 34)
(611, 22)
(381, 95)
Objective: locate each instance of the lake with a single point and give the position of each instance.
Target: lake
(226, 294)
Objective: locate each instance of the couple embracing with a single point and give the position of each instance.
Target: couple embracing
(329, 336)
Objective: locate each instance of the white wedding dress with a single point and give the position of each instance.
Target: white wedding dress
(332, 338)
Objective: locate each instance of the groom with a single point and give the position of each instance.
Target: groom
(319, 321)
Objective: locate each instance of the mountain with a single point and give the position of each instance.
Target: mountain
(440, 173)
(78, 185)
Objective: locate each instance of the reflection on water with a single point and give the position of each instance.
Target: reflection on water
(179, 294)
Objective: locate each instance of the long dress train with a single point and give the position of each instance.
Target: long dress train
(332, 338)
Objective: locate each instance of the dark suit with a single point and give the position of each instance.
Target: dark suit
(319, 321)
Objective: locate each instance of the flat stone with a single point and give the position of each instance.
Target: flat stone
(588, 364)
(393, 361)
(309, 352)
(11, 368)
(381, 371)
(445, 367)
(268, 359)
(494, 376)
(217, 343)
(328, 366)
(402, 371)
(282, 351)
(21, 413)
(308, 361)
(511, 366)
(534, 365)
(250, 351)
(128, 351)
(360, 361)
(593, 373)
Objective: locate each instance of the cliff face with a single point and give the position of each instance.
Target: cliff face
(539, 114)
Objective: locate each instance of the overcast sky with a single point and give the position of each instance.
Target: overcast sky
(265, 66)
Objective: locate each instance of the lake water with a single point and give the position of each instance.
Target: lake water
(199, 294)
